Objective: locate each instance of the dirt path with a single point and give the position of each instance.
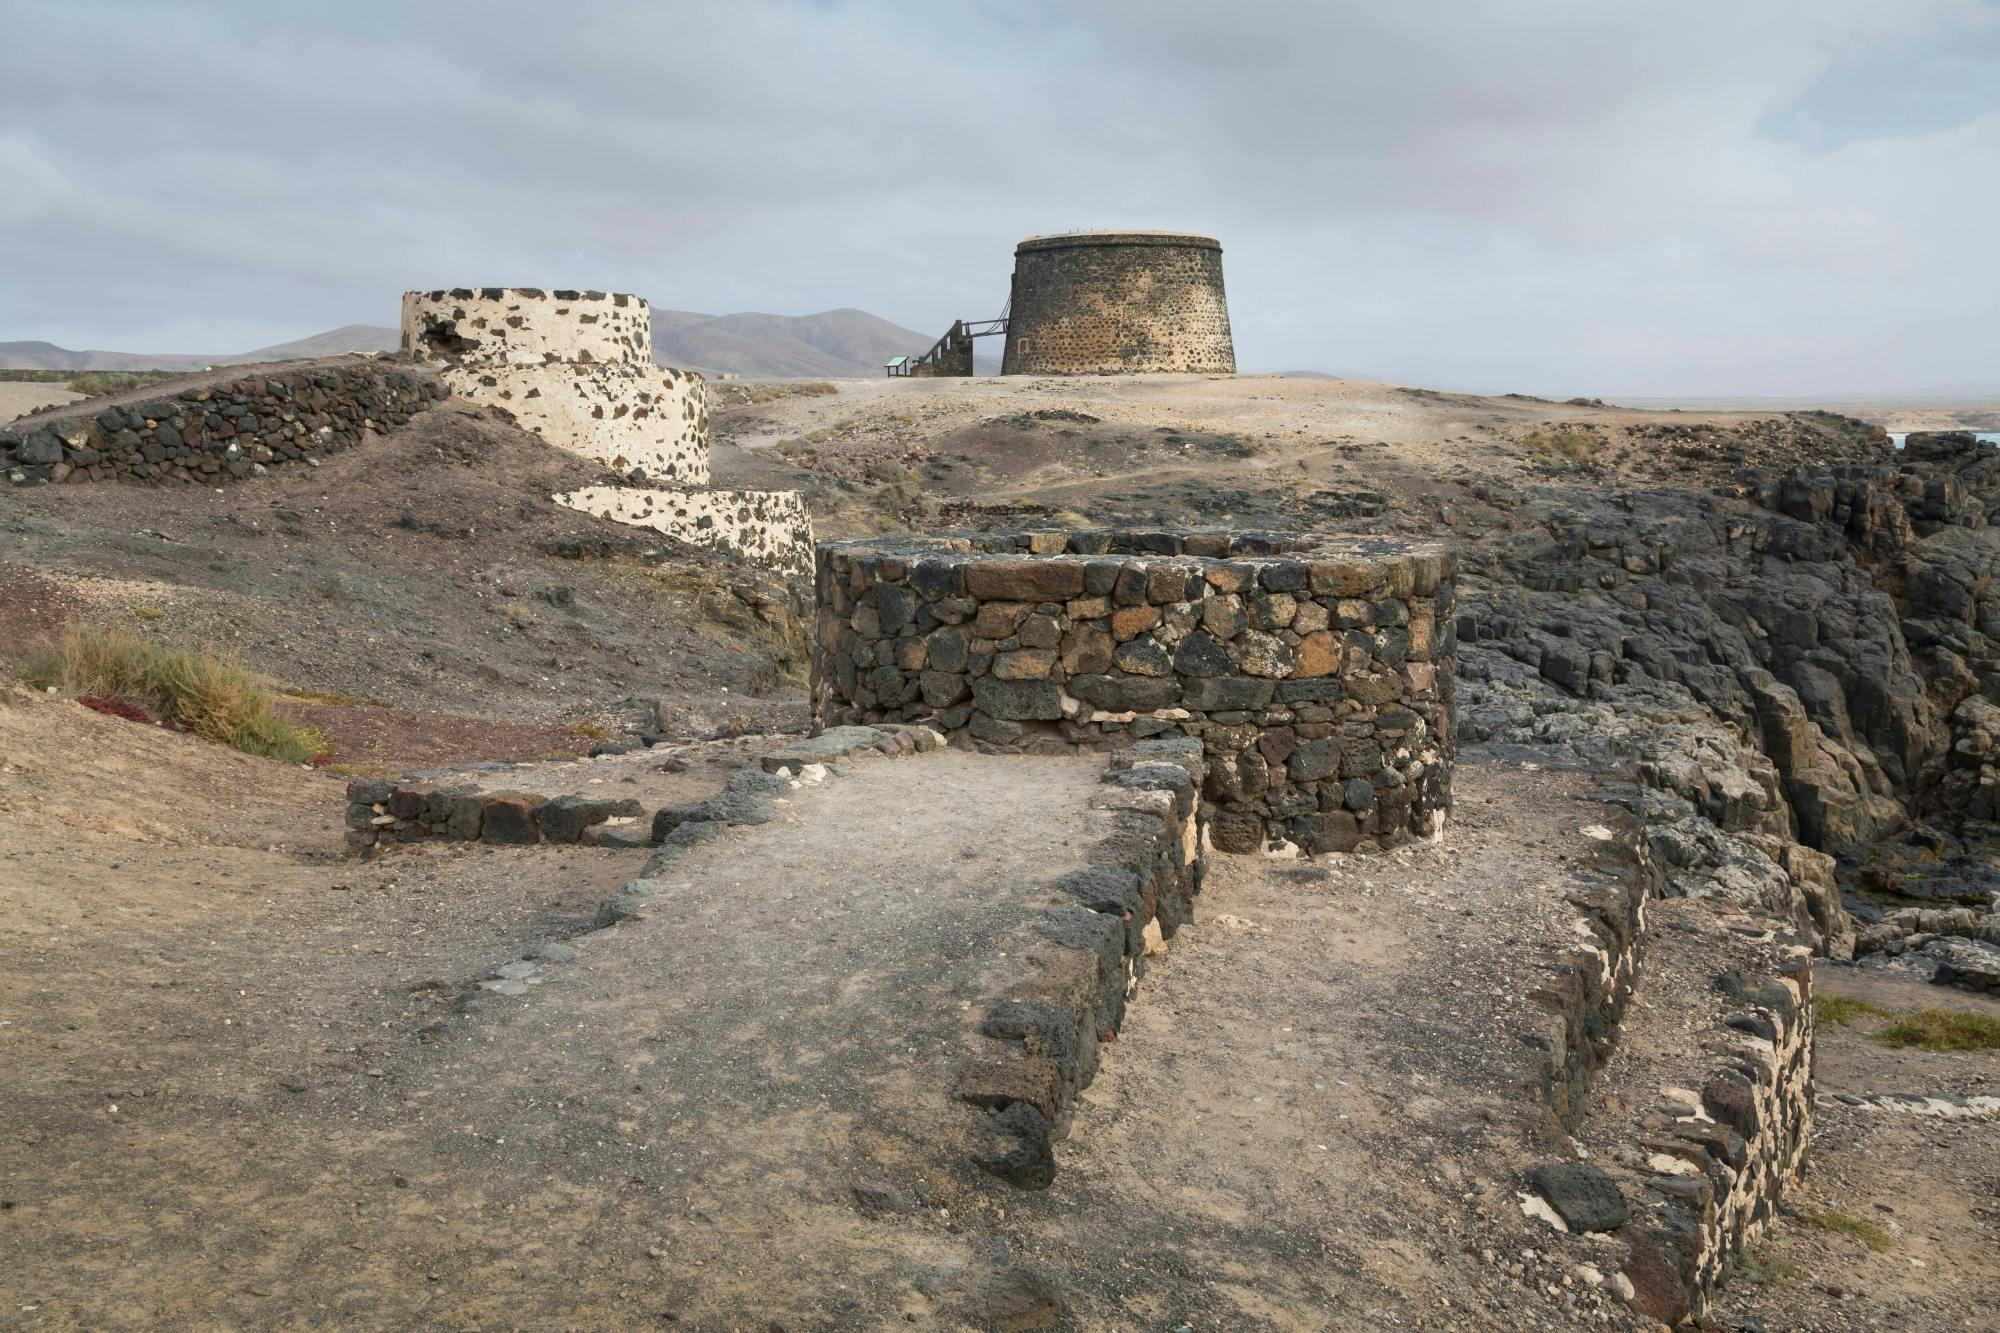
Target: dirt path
(1316, 1115)
(1298, 1127)
(682, 1109)
(256, 1087)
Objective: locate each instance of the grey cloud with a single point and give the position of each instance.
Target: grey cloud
(1560, 196)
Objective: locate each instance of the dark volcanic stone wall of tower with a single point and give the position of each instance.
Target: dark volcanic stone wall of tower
(1118, 303)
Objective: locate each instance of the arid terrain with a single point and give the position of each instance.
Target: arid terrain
(248, 1080)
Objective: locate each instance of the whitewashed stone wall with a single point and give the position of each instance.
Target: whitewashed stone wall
(526, 326)
(771, 528)
(646, 423)
(576, 369)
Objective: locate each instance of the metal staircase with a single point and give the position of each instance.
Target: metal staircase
(951, 354)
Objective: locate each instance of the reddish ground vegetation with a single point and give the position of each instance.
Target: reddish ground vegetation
(111, 706)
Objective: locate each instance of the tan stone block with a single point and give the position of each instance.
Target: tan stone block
(1167, 583)
(1318, 654)
(1222, 615)
(1024, 580)
(1343, 578)
(1421, 626)
(1229, 578)
(1024, 664)
(999, 620)
(1086, 650)
(1129, 622)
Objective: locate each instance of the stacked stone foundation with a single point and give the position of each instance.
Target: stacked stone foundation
(576, 368)
(1316, 672)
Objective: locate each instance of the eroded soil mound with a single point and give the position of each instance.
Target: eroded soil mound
(427, 570)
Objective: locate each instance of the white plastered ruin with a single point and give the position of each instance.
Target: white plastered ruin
(576, 368)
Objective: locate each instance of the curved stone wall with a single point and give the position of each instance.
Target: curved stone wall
(646, 423)
(526, 326)
(772, 528)
(1316, 671)
(1094, 303)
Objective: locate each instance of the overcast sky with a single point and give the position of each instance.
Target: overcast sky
(1552, 196)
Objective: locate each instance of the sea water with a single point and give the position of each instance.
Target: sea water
(1983, 436)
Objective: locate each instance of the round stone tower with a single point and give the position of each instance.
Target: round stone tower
(1118, 302)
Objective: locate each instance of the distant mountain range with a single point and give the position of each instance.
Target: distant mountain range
(834, 343)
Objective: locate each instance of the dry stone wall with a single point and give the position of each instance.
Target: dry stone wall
(1086, 957)
(218, 432)
(1317, 673)
(1704, 1121)
(1718, 1163)
(1103, 303)
(381, 813)
(576, 368)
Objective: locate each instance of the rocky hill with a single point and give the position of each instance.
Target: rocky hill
(837, 344)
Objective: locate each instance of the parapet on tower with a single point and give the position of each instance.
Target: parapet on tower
(1118, 302)
(576, 368)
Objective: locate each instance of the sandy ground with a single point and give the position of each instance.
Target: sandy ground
(1244, 451)
(17, 400)
(249, 1086)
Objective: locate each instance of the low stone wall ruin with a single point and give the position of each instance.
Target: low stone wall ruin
(381, 813)
(576, 368)
(1700, 1163)
(1316, 672)
(1719, 1165)
(224, 431)
(1043, 1037)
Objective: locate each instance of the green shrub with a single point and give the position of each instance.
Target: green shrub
(214, 699)
(1840, 1010)
(1943, 1030)
(91, 382)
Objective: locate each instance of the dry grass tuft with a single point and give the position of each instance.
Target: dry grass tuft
(1571, 442)
(1832, 1219)
(214, 699)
